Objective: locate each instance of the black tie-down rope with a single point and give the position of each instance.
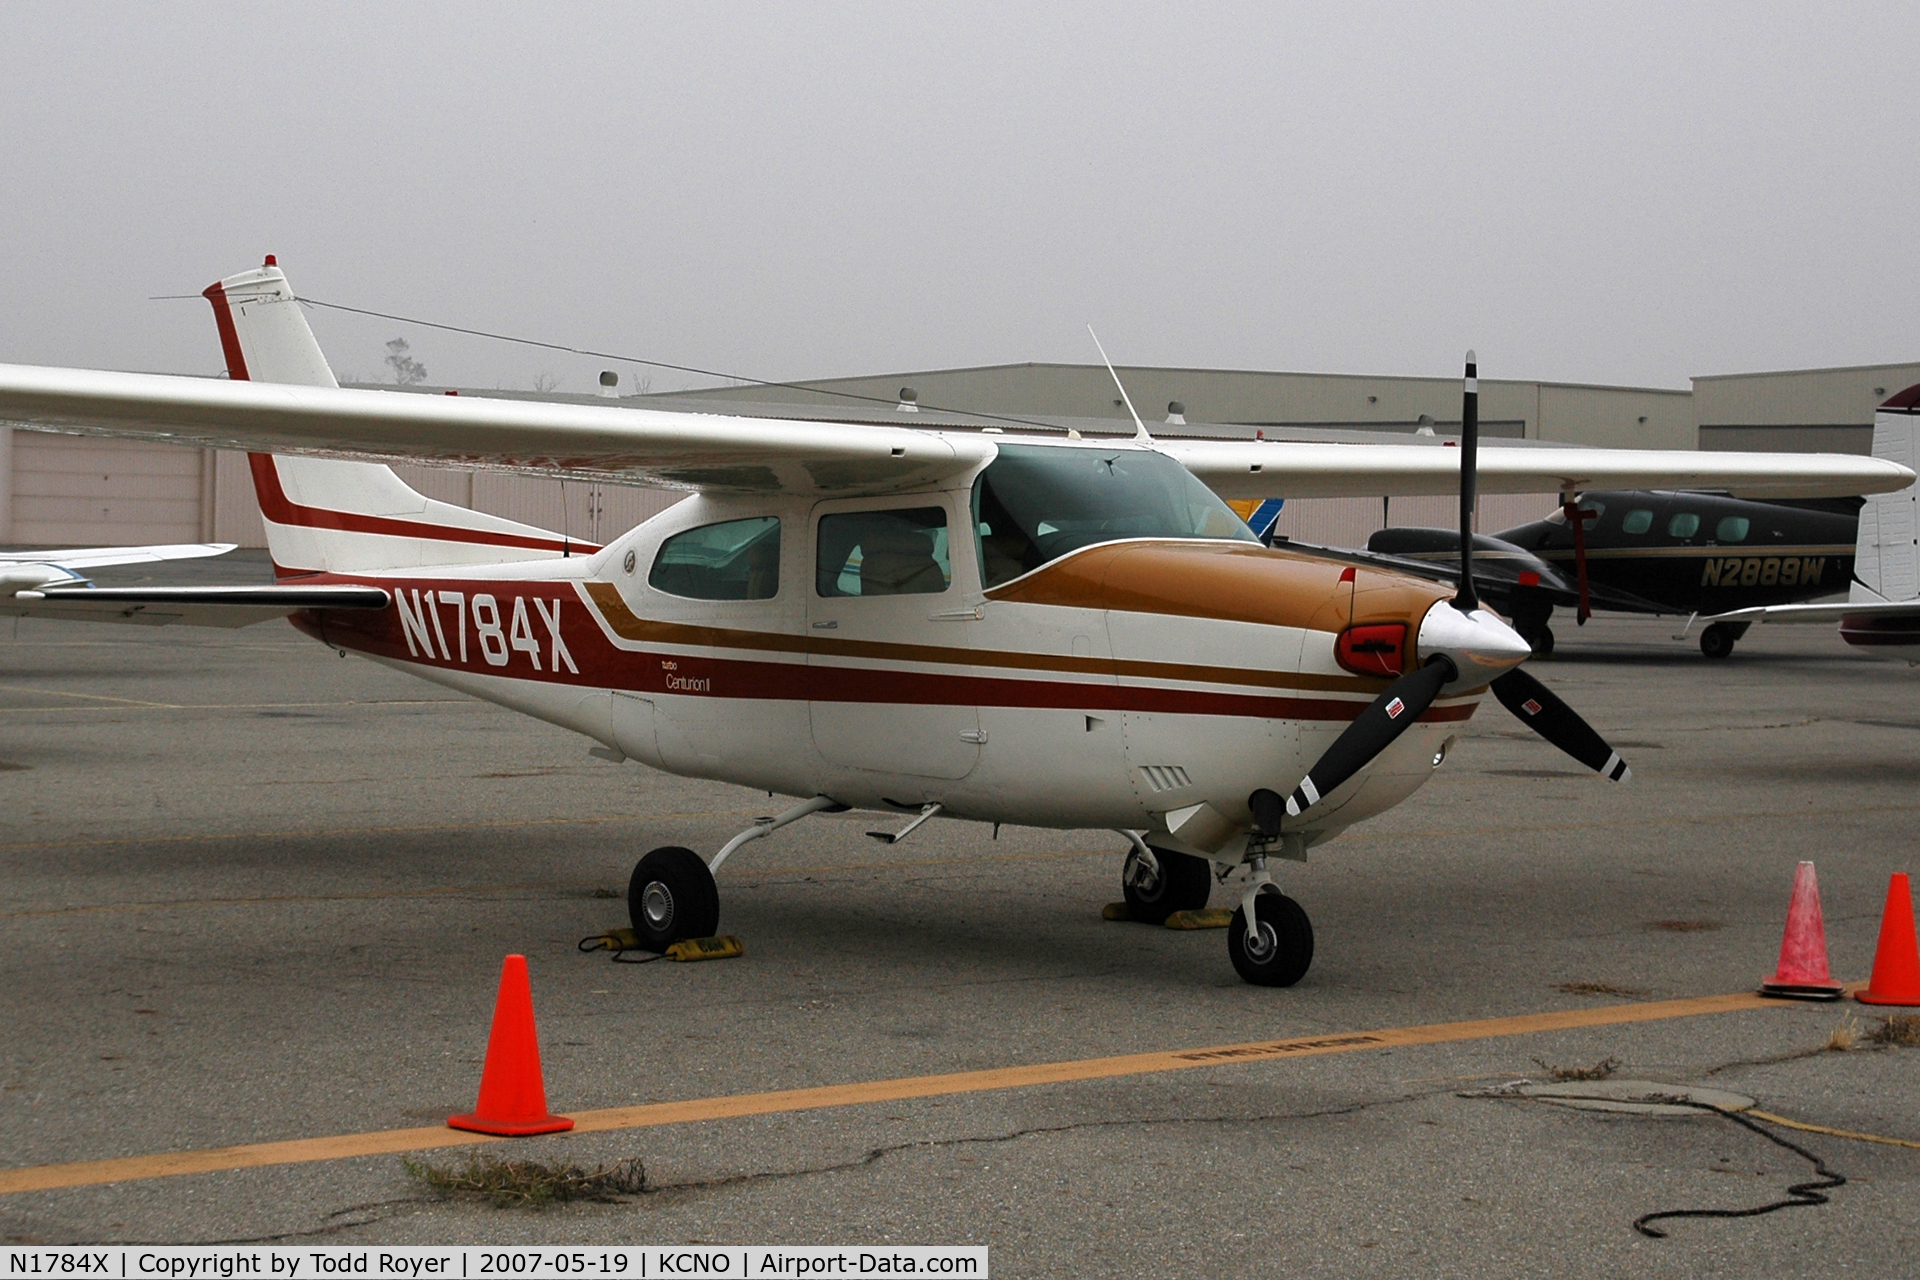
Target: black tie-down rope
(1800, 1193)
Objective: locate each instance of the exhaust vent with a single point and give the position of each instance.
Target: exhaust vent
(1165, 777)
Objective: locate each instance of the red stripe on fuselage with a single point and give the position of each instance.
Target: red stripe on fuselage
(602, 665)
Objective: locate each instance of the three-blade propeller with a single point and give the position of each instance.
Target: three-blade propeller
(1463, 642)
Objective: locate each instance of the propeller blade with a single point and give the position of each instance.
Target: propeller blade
(1467, 600)
(1371, 732)
(1558, 723)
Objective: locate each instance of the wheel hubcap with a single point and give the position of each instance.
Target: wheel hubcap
(656, 903)
(1262, 945)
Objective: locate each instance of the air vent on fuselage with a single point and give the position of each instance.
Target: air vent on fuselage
(1165, 777)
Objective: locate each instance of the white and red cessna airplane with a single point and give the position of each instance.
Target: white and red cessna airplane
(975, 624)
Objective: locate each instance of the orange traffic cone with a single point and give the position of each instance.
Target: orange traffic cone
(513, 1101)
(1802, 974)
(1896, 961)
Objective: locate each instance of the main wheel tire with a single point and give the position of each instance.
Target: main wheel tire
(1183, 883)
(672, 896)
(1717, 640)
(1284, 949)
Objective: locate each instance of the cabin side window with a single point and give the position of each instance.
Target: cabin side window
(1638, 520)
(1732, 529)
(899, 552)
(1683, 525)
(734, 560)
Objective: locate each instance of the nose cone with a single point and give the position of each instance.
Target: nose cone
(1479, 644)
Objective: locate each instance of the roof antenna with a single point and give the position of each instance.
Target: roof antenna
(1140, 435)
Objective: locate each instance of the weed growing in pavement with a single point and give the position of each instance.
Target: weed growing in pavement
(1843, 1037)
(1900, 1028)
(1598, 1071)
(529, 1184)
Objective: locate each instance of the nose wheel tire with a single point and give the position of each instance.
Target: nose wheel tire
(1282, 949)
(672, 896)
(1182, 883)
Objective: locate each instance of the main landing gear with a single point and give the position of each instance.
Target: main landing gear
(672, 896)
(1717, 640)
(1159, 882)
(1275, 951)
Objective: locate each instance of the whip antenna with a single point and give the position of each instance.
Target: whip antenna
(1139, 428)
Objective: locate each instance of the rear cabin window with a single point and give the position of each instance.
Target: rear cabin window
(1732, 529)
(901, 552)
(735, 560)
(1684, 525)
(1637, 521)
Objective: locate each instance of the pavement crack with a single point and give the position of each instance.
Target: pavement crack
(354, 1215)
(876, 1154)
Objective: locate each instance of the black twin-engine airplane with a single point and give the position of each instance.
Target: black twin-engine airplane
(1637, 551)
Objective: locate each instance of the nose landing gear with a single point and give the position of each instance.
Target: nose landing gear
(1278, 950)
(1270, 940)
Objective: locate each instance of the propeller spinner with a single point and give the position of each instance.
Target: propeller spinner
(1461, 644)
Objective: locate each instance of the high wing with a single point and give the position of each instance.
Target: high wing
(1255, 468)
(672, 450)
(721, 453)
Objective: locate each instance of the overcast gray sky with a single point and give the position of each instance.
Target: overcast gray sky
(1614, 193)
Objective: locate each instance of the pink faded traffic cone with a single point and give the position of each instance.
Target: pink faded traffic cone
(1802, 974)
(1896, 961)
(513, 1098)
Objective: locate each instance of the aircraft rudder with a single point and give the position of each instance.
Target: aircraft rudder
(263, 332)
(1886, 558)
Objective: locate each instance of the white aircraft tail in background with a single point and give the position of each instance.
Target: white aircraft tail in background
(1881, 614)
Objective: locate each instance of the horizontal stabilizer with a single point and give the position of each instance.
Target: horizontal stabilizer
(189, 606)
(1833, 611)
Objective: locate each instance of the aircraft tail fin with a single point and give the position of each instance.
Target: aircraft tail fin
(1261, 514)
(1886, 564)
(326, 515)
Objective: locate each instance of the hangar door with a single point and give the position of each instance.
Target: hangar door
(70, 491)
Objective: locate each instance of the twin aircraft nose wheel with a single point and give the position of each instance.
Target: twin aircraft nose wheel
(1276, 953)
(672, 897)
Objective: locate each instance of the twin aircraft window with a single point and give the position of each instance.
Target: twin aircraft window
(737, 560)
(902, 552)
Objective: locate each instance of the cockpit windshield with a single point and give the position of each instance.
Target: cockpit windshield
(1035, 503)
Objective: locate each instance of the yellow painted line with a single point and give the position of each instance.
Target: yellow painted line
(344, 1146)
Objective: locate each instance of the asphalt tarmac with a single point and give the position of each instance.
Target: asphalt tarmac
(252, 891)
